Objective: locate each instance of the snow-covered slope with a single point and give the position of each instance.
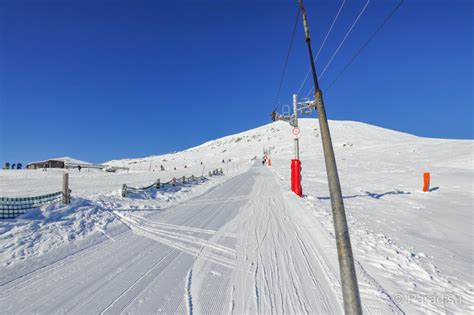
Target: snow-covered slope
(415, 247)
(381, 177)
(402, 235)
(346, 134)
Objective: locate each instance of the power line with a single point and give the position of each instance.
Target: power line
(286, 61)
(342, 42)
(344, 39)
(359, 51)
(322, 45)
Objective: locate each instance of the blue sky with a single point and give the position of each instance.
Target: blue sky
(100, 80)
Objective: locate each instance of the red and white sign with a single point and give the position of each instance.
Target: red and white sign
(296, 131)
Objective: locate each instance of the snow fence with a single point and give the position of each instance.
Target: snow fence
(173, 182)
(13, 207)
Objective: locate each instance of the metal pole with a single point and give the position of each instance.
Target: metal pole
(350, 288)
(295, 109)
(295, 112)
(297, 149)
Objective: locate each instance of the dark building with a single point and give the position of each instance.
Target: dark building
(63, 162)
(48, 163)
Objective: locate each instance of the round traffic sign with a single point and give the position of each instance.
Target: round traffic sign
(296, 131)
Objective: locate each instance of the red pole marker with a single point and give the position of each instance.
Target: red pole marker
(296, 177)
(292, 177)
(426, 182)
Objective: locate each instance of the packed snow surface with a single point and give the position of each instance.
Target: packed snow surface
(242, 242)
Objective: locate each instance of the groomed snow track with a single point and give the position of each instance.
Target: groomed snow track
(239, 248)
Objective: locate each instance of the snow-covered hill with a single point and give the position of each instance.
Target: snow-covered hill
(381, 177)
(348, 137)
(414, 247)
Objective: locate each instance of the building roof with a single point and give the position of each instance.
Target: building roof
(66, 160)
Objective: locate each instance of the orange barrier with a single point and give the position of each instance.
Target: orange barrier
(269, 162)
(426, 182)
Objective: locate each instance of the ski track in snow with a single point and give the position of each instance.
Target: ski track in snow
(221, 251)
(188, 296)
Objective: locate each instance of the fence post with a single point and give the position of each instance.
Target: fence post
(184, 179)
(174, 181)
(210, 174)
(124, 190)
(192, 178)
(157, 183)
(66, 197)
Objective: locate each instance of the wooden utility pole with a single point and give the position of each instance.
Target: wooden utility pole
(66, 196)
(350, 288)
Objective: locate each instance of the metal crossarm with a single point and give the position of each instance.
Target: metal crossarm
(291, 119)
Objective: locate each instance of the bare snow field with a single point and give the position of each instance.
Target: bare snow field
(242, 242)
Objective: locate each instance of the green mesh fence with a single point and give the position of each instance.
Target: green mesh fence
(12, 207)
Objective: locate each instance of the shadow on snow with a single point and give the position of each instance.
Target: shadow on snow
(374, 195)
